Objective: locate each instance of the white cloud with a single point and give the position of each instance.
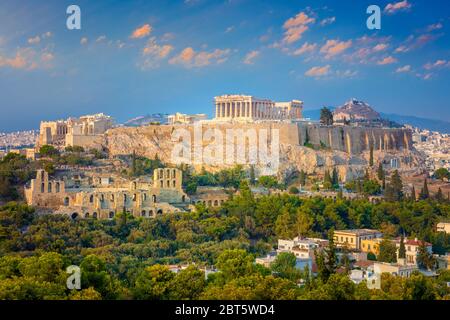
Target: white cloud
(318, 71)
(249, 57)
(335, 47)
(403, 69)
(327, 21)
(392, 8)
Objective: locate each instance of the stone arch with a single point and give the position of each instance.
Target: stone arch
(150, 213)
(94, 215)
(159, 211)
(74, 215)
(143, 213)
(57, 187)
(216, 203)
(86, 215)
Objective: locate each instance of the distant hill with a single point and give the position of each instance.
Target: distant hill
(145, 120)
(422, 123)
(355, 110)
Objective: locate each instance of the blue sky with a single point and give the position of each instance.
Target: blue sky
(140, 57)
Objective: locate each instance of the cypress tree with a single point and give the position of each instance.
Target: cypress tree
(424, 193)
(335, 178)
(439, 196)
(413, 194)
(402, 249)
(371, 156)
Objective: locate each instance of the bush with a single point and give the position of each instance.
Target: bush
(293, 190)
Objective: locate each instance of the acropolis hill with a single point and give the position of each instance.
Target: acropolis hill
(342, 146)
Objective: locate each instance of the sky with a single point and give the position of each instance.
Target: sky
(139, 57)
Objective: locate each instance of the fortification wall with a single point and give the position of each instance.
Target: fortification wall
(355, 140)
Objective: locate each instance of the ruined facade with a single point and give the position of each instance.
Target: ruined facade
(248, 108)
(105, 200)
(86, 131)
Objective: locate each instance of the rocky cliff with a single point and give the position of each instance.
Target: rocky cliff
(344, 147)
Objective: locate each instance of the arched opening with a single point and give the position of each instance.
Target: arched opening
(209, 203)
(173, 183)
(91, 198)
(124, 198)
(159, 211)
(143, 213)
(111, 215)
(134, 197)
(94, 215)
(66, 201)
(112, 197)
(74, 215)
(154, 198)
(86, 215)
(42, 187)
(216, 203)
(57, 187)
(150, 213)
(183, 198)
(144, 196)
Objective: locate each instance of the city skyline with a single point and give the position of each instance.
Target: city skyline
(139, 57)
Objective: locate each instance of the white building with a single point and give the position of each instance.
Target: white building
(181, 118)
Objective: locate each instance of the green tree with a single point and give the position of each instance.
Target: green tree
(413, 194)
(302, 178)
(442, 174)
(402, 249)
(388, 251)
(425, 259)
(326, 116)
(235, 263)
(424, 193)
(371, 156)
(188, 284)
(284, 266)
(327, 260)
(48, 151)
(293, 190)
(154, 283)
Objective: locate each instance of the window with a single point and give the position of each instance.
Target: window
(42, 187)
(66, 201)
(91, 198)
(49, 187)
(57, 187)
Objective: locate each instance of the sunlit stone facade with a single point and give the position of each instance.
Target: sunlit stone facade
(242, 107)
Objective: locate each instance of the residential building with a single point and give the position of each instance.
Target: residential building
(443, 227)
(371, 245)
(412, 249)
(352, 238)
